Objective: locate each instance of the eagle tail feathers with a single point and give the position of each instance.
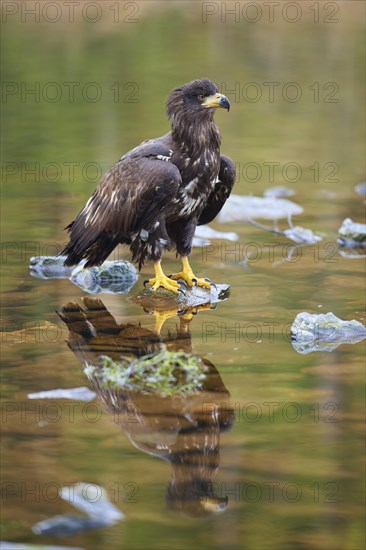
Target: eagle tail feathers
(95, 250)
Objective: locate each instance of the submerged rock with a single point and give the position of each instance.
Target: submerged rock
(352, 235)
(49, 267)
(301, 235)
(198, 242)
(4, 545)
(297, 234)
(111, 277)
(206, 232)
(93, 500)
(352, 253)
(324, 332)
(86, 497)
(239, 208)
(279, 191)
(66, 525)
(361, 189)
(190, 297)
(80, 394)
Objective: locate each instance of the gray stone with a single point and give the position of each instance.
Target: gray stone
(279, 191)
(66, 525)
(90, 498)
(93, 500)
(206, 232)
(111, 277)
(361, 189)
(190, 297)
(240, 208)
(80, 394)
(301, 235)
(5, 545)
(324, 332)
(49, 267)
(352, 235)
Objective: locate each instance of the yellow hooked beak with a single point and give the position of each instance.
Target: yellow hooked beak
(217, 101)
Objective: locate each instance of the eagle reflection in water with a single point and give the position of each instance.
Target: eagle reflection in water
(183, 430)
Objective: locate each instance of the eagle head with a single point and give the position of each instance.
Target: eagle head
(194, 101)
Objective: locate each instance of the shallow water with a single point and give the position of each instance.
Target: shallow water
(288, 456)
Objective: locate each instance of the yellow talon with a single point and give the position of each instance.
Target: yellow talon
(161, 280)
(188, 276)
(162, 316)
(185, 318)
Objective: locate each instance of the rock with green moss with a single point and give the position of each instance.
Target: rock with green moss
(166, 373)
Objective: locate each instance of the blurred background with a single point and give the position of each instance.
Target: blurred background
(84, 82)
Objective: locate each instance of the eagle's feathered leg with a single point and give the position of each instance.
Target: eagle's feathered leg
(188, 276)
(161, 280)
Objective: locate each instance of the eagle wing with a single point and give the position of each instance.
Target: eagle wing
(134, 193)
(220, 192)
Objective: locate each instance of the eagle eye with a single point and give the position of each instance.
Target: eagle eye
(201, 97)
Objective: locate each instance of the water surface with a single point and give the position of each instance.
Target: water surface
(285, 467)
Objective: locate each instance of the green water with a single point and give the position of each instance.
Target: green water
(291, 464)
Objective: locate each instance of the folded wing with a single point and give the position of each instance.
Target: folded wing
(134, 193)
(220, 192)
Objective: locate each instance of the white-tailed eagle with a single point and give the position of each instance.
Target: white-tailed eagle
(153, 198)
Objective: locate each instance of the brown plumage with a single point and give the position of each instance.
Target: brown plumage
(153, 198)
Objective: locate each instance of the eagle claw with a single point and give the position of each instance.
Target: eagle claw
(210, 282)
(161, 281)
(183, 282)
